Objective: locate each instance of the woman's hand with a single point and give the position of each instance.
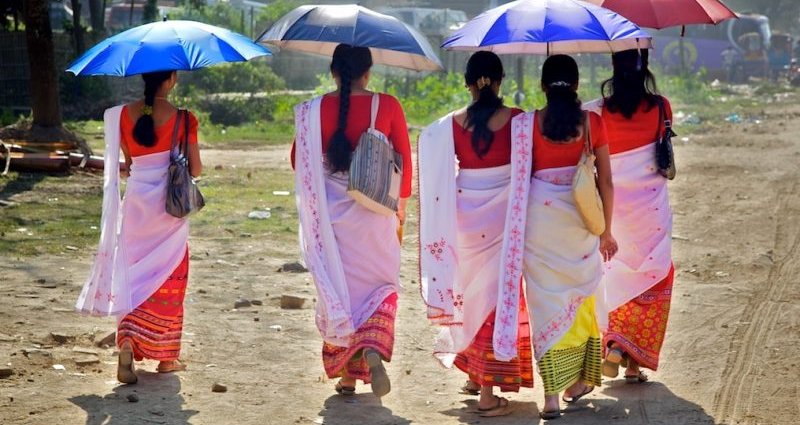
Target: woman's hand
(608, 246)
(401, 210)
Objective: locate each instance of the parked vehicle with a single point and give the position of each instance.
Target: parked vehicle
(735, 49)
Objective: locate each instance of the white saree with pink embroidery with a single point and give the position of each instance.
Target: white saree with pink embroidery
(562, 270)
(352, 253)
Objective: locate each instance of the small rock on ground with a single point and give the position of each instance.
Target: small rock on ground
(241, 303)
(293, 267)
(5, 372)
(109, 340)
(291, 302)
(219, 388)
(133, 398)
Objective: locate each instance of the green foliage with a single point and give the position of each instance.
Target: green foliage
(235, 110)
(220, 14)
(84, 97)
(240, 77)
(7, 117)
(150, 11)
(274, 11)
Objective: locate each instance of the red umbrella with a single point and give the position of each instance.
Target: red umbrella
(660, 14)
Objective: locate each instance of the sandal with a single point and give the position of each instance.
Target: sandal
(611, 363)
(344, 390)
(170, 366)
(380, 380)
(586, 390)
(636, 379)
(550, 414)
(125, 370)
(499, 409)
(469, 389)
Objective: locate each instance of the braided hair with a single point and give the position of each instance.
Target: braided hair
(631, 84)
(483, 70)
(144, 131)
(349, 63)
(563, 116)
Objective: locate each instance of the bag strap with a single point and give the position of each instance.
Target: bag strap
(376, 100)
(185, 134)
(662, 117)
(587, 134)
(175, 129)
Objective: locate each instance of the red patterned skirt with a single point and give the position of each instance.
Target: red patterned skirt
(640, 325)
(154, 328)
(376, 333)
(479, 363)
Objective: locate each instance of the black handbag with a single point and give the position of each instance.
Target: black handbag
(665, 157)
(183, 195)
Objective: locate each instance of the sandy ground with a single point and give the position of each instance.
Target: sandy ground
(731, 353)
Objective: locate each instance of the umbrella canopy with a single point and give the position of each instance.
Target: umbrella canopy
(165, 46)
(660, 14)
(548, 27)
(319, 29)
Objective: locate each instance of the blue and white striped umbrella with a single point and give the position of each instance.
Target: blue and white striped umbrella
(165, 46)
(320, 28)
(548, 27)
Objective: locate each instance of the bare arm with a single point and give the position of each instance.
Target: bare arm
(128, 160)
(605, 185)
(195, 164)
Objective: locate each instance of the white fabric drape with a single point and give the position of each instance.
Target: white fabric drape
(352, 253)
(140, 244)
(470, 239)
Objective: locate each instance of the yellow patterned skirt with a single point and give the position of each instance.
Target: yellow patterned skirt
(576, 356)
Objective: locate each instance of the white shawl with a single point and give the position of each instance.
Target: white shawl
(140, 244)
(450, 284)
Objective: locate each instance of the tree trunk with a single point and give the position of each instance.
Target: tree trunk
(41, 57)
(77, 29)
(150, 11)
(97, 15)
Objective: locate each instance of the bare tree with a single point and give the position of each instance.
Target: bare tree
(77, 28)
(97, 15)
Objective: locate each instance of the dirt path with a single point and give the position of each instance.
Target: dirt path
(730, 355)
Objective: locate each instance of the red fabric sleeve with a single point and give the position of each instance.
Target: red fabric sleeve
(399, 138)
(598, 129)
(193, 125)
(668, 109)
(291, 155)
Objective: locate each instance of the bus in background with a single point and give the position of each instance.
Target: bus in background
(734, 50)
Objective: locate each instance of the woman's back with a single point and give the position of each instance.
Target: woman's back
(499, 153)
(163, 133)
(640, 130)
(551, 154)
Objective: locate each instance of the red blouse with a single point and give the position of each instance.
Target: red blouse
(629, 134)
(499, 153)
(390, 120)
(549, 154)
(163, 134)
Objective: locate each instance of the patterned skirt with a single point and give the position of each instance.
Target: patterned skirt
(154, 328)
(479, 363)
(640, 325)
(376, 333)
(576, 356)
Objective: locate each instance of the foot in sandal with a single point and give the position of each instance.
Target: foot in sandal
(493, 406)
(380, 380)
(610, 366)
(170, 366)
(346, 386)
(125, 370)
(471, 388)
(577, 391)
(551, 409)
(633, 375)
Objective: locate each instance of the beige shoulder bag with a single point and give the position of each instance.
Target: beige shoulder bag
(584, 187)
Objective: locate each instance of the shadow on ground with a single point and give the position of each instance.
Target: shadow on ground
(160, 402)
(358, 409)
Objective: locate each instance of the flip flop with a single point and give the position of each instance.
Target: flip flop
(125, 370)
(611, 363)
(636, 379)
(347, 391)
(174, 366)
(587, 389)
(467, 390)
(550, 414)
(500, 409)
(380, 380)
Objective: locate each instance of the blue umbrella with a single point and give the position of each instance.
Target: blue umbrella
(165, 46)
(548, 27)
(319, 29)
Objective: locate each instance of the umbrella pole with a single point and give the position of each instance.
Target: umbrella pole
(519, 95)
(682, 50)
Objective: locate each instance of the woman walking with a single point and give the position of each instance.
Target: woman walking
(638, 283)
(563, 260)
(140, 272)
(471, 208)
(352, 253)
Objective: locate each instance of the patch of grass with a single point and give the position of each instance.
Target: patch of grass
(51, 213)
(247, 135)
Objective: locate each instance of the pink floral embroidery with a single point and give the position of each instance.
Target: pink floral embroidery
(548, 202)
(556, 326)
(437, 249)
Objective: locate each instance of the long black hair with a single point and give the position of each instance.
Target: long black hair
(484, 69)
(631, 84)
(144, 132)
(564, 115)
(349, 63)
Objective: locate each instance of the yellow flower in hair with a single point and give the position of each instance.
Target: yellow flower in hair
(147, 110)
(483, 82)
